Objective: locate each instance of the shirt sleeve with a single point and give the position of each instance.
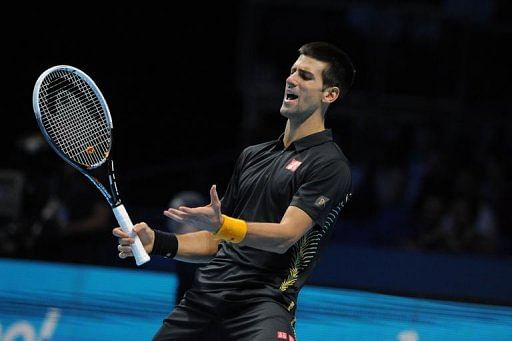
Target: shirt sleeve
(323, 189)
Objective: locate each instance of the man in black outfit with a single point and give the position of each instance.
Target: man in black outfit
(263, 238)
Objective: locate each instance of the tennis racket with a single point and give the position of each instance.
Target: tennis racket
(75, 120)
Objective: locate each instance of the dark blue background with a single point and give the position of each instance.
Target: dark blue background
(190, 87)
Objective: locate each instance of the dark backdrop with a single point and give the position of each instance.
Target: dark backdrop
(189, 88)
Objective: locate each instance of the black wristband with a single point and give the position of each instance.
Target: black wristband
(165, 244)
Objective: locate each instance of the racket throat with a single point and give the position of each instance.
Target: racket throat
(116, 197)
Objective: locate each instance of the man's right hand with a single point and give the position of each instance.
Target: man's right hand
(146, 236)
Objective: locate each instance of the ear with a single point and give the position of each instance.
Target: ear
(331, 94)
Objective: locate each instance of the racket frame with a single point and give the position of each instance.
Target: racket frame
(112, 196)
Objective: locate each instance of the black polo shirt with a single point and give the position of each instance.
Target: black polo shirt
(312, 174)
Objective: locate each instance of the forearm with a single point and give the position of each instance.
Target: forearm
(195, 247)
(272, 237)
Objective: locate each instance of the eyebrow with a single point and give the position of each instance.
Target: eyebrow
(308, 73)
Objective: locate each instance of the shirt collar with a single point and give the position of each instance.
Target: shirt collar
(307, 141)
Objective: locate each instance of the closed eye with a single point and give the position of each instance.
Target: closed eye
(306, 75)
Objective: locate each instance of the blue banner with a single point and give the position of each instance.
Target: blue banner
(54, 301)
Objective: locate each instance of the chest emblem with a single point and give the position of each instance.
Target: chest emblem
(293, 165)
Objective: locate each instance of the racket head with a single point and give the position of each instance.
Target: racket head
(73, 116)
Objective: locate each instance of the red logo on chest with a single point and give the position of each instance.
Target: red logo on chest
(284, 336)
(293, 165)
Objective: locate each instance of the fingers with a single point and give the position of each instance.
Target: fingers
(124, 249)
(140, 227)
(214, 196)
(124, 253)
(126, 239)
(184, 213)
(184, 209)
(118, 232)
(175, 215)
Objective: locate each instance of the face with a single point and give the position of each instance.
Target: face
(303, 94)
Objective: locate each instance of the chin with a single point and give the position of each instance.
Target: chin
(286, 113)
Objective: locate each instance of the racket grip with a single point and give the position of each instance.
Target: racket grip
(140, 254)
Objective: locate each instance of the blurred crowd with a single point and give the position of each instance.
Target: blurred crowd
(434, 185)
(437, 185)
(59, 215)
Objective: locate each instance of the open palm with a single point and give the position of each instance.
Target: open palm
(207, 217)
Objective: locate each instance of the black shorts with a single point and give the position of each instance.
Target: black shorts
(214, 316)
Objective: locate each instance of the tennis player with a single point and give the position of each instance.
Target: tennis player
(262, 240)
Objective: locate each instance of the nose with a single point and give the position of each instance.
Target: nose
(291, 81)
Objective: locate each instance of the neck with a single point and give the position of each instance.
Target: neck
(296, 130)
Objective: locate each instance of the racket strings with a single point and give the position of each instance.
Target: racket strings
(73, 105)
(74, 118)
(75, 109)
(84, 136)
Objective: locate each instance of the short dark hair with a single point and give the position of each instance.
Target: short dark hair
(341, 71)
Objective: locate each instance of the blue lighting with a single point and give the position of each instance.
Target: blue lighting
(53, 301)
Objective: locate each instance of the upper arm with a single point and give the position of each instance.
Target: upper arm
(323, 189)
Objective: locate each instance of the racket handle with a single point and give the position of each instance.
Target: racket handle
(140, 254)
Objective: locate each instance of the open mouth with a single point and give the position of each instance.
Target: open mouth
(291, 97)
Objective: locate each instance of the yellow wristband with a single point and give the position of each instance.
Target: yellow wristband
(232, 230)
